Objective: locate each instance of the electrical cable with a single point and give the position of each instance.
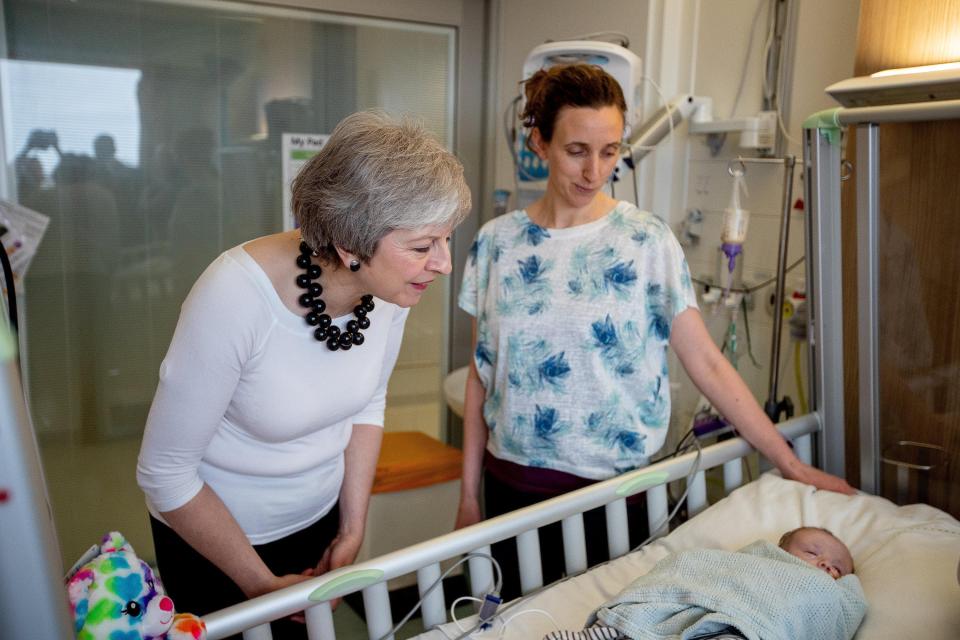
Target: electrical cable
(423, 596)
(635, 167)
(756, 287)
(453, 607)
(783, 128)
(695, 467)
(769, 93)
(11, 289)
(746, 328)
(798, 372)
(503, 627)
(746, 57)
(510, 133)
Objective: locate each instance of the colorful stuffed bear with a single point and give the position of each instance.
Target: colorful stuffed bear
(115, 596)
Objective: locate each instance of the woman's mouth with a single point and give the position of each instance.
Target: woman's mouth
(420, 286)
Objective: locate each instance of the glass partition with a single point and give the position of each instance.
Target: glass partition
(150, 133)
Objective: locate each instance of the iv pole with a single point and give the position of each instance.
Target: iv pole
(774, 407)
(655, 129)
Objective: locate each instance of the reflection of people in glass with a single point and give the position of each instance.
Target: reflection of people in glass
(71, 278)
(259, 451)
(195, 230)
(32, 187)
(123, 183)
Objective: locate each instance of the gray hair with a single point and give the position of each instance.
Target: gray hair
(376, 175)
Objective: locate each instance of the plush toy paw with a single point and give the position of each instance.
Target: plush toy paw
(114, 594)
(187, 626)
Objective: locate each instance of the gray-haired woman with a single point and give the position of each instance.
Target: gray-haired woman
(261, 444)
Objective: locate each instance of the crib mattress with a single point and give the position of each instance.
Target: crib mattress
(906, 557)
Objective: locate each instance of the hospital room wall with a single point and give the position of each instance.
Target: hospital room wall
(823, 53)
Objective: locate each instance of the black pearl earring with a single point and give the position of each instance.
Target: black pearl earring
(354, 265)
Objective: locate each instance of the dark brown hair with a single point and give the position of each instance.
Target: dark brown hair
(567, 85)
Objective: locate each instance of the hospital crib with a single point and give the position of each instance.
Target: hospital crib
(252, 617)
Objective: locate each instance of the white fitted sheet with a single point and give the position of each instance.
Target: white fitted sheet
(906, 557)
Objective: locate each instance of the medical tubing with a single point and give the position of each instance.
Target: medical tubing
(503, 627)
(11, 288)
(746, 330)
(798, 372)
(439, 580)
(746, 57)
(694, 469)
(510, 133)
(755, 287)
(770, 407)
(453, 609)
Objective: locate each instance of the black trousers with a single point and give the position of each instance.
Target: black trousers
(500, 498)
(197, 586)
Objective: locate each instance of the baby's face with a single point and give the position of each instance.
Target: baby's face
(821, 550)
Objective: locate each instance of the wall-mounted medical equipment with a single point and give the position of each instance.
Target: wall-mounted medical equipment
(929, 83)
(757, 132)
(621, 63)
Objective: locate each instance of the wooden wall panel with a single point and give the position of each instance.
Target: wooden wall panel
(920, 254)
(906, 33)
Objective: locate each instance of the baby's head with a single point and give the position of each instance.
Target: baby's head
(819, 548)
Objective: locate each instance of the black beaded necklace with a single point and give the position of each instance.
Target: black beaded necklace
(325, 329)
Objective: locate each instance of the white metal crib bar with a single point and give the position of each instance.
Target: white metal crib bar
(658, 509)
(481, 572)
(618, 533)
(376, 610)
(433, 603)
(574, 544)
(371, 576)
(528, 557)
(697, 494)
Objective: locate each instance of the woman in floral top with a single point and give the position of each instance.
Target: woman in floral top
(576, 300)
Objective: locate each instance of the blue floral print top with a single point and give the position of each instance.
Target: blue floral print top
(573, 327)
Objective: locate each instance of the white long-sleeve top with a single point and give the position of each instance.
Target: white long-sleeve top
(252, 405)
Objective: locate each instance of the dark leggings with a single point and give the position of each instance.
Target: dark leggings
(197, 586)
(500, 497)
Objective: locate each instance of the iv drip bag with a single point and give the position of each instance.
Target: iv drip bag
(735, 220)
(735, 217)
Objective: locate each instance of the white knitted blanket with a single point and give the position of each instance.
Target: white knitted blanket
(761, 590)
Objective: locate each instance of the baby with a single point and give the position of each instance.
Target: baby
(819, 548)
(815, 546)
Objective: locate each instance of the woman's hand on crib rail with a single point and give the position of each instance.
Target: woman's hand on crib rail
(279, 582)
(807, 474)
(341, 552)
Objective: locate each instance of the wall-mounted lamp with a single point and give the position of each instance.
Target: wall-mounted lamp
(896, 86)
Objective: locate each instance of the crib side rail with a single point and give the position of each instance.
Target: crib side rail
(252, 617)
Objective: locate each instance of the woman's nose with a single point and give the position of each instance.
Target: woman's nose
(441, 262)
(591, 168)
